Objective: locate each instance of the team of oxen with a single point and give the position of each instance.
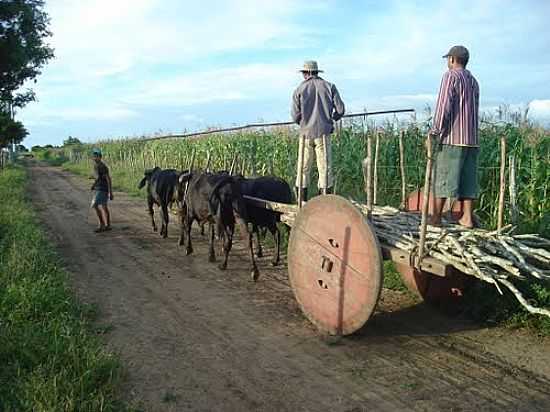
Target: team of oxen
(216, 199)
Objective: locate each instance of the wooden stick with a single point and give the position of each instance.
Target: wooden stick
(402, 167)
(512, 189)
(427, 187)
(502, 182)
(192, 162)
(301, 170)
(207, 167)
(367, 173)
(375, 179)
(233, 164)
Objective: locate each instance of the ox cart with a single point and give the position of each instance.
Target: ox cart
(335, 263)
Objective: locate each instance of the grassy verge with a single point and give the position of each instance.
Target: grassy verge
(50, 361)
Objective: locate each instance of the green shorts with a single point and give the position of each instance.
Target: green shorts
(455, 172)
(100, 199)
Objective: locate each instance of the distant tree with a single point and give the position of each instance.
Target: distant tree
(36, 148)
(24, 27)
(11, 131)
(71, 141)
(20, 148)
(48, 146)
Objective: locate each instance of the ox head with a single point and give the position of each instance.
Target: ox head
(147, 176)
(226, 196)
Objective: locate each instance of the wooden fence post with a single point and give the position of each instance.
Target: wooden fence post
(367, 175)
(513, 189)
(425, 202)
(402, 168)
(500, 218)
(375, 178)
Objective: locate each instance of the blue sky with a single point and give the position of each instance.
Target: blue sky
(137, 67)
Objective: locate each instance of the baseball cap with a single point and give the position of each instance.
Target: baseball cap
(458, 51)
(96, 152)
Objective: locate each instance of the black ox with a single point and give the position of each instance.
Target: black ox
(267, 188)
(162, 190)
(214, 198)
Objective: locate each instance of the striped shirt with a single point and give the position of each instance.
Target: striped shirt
(456, 112)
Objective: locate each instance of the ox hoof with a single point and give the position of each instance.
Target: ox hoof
(255, 274)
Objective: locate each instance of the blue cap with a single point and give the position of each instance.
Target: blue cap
(96, 152)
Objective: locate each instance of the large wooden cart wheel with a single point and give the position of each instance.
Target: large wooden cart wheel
(335, 265)
(446, 292)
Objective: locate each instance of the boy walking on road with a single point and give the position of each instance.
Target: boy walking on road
(103, 192)
(316, 105)
(455, 126)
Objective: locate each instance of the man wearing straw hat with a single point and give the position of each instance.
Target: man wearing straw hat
(316, 104)
(455, 125)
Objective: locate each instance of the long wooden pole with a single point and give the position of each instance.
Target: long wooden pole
(208, 160)
(500, 217)
(368, 183)
(375, 179)
(513, 189)
(402, 168)
(233, 164)
(301, 170)
(425, 205)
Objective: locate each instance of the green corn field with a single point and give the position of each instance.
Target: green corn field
(274, 152)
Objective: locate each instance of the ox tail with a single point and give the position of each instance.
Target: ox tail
(143, 182)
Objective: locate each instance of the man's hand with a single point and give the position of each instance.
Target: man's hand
(110, 195)
(429, 141)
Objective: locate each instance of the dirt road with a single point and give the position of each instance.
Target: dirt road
(195, 338)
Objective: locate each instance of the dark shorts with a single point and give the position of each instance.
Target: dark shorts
(100, 198)
(455, 172)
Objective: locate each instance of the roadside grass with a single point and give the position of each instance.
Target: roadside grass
(50, 360)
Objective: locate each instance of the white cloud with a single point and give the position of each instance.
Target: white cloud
(40, 115)
(540, 107)
(226, 84)
(104, 37)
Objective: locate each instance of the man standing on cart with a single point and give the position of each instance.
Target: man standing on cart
(316, 105)
(455, 126)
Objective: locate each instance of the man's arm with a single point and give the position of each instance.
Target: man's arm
(95, 177)
(109, 184)
(339, 108)
(296, 110)
(442, 113)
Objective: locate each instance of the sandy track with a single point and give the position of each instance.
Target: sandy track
(195, 338)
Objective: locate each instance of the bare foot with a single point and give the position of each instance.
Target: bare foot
(467, 223)
(434, 221)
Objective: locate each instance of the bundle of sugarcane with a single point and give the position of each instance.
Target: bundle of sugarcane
(495, 257)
